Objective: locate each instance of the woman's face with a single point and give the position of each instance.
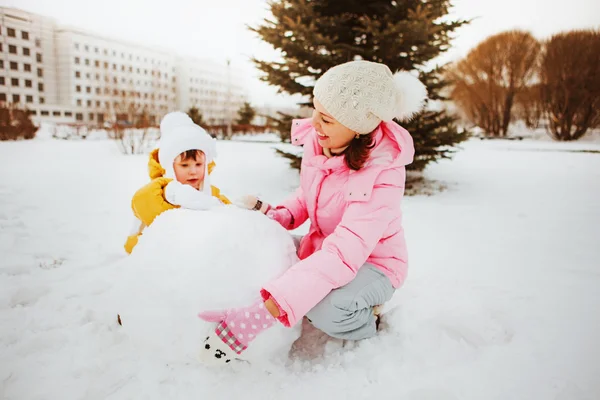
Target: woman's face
(332, 134)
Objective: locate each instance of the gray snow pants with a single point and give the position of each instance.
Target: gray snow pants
(347, 312)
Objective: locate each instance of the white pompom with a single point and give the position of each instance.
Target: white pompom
(174, 120)
(411, 95)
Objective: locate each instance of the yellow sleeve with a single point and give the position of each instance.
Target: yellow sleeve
(149, 202)
(131, 242)
(217, 193)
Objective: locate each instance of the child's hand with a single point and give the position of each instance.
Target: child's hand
(188, 197)
(250, 202)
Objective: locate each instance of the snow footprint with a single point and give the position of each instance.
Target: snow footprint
(477, 330)
(25, 297)
(430, 394)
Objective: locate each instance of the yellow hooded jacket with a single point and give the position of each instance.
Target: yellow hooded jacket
(149, 201)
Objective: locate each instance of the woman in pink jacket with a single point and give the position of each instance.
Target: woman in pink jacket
(351, 188)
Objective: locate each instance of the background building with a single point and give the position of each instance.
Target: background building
(214, 88)
(64, 74)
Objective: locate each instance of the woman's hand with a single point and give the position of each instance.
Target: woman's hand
(272, 308)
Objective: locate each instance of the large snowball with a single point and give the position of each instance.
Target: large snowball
(190, 261)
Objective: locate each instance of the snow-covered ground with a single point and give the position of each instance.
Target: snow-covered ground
(502, 299)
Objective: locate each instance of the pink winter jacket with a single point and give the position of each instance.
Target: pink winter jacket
(355, 218)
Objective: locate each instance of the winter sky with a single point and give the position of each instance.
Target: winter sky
(217, 28)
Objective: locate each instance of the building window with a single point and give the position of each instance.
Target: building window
(42, 100)
(78, 89)
(68, 114)
(38, 57)
(97, 77)
(87, 61)
(105, 52)
(77, 74)
(76, 46)
(105, 65)
(79, 116)
(14, 81)
(87, 48)
(79, 102)
(38, 43)
(2, 81)
(56, 113)
(27, 67)
(40, 87)
(25, 35)
(10, 32)
(12, 49)
(95, 49)
(26, 51)
(89, 103)
(97, 90)
(2, 64)
(114, 67)
(76, 60)
(87, 75)
(40, 72)
(29, 99)
(28, 83)
(97, 103)
(45, 113)
(97, 63)
(88, 89)
(16, 98)
(2, 96)
(91, 116)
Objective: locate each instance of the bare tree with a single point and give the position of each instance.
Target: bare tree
(488, 81)
(570, 83)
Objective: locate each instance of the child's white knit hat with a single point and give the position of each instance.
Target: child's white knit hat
(178, 133)
(362, 94)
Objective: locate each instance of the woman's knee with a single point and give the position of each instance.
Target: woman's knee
(336, 314)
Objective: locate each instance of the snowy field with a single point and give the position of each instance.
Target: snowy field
(502, 300)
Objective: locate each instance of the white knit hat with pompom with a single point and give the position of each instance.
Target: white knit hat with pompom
(362, 94)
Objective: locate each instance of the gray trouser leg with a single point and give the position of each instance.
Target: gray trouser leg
(347, 312)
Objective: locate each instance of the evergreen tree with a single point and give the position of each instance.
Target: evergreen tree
(315, 35)
(196, 116)
(246, 114)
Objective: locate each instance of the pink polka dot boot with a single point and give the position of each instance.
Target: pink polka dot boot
(236, 328)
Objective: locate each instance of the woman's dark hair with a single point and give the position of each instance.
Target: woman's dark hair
(358, 151)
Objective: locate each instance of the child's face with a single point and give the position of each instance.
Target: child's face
(190, 168)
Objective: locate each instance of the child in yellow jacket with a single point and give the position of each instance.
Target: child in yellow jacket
(179, 171)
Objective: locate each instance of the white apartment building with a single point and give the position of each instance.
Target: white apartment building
(105, 79)
(27, 62)
(64, 74)
(211, 87)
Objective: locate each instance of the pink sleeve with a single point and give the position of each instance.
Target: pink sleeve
(343, 252)
(292, 212)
